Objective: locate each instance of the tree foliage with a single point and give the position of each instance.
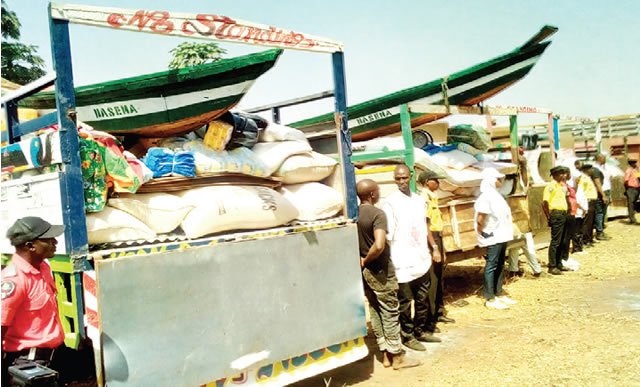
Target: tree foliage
(188, 54)
(10, 23)
(20, 62)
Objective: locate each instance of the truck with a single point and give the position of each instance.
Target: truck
(267, 307)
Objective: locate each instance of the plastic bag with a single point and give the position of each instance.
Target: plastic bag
(245, 131)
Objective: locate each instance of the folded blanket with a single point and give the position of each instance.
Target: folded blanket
(165, 162)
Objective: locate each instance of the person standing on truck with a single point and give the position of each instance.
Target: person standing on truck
(430, 184)
(31, 327)
(409, 240)
(493, 224)
(632, 188)
(380, 283)
(555, 205)
(604, 195)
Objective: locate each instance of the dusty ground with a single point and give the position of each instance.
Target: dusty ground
(581, 328)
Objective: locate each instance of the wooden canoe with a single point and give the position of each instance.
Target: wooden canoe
(381, 116)
(167, 103)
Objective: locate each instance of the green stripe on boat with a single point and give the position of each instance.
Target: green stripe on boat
(160, 99)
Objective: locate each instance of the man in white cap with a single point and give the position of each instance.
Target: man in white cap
(31, 328)
(494, 227)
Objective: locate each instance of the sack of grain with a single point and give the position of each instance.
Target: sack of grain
(225, 208)
(275, 132)
(313, 200)
(113, 225)
(161, 212)
(306, 167)
(455, 159)
(273, 154)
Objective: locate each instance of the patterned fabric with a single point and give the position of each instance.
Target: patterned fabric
(94, 175)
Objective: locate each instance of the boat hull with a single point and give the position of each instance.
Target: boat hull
(168, 103)
(381, 116)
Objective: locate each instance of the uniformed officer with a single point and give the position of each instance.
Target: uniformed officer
(31, 328)
(555, 206)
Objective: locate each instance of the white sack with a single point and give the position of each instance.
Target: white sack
(455, 159)
(225, 208)
(273, 154)
(113, 225)
(313, 200)
(275, 132)
(161, 212)
(306, 167)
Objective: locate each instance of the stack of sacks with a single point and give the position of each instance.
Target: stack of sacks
(460, 165)
(289, 157)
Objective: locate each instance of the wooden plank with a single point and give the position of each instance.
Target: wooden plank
(193, 26)
(165, 184)
(30, 88)
(544, 33)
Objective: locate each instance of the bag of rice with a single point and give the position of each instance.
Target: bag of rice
(455, 159)
(313, 200)
(113, 225)
(275, 132)
(224, 208)
(273, 154)
(306, 167)
(161, 212)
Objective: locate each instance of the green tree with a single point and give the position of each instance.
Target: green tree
(20, 62)
(190, 54)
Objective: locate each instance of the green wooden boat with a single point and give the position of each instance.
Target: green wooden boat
(381, 116)
(167, 103)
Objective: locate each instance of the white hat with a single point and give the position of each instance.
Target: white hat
(491, 172)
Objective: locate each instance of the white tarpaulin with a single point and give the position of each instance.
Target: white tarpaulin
(200, 26)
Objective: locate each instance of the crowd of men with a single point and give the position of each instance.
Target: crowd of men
(402, 256)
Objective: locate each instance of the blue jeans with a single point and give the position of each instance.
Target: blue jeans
(493, 270)
(600, 212)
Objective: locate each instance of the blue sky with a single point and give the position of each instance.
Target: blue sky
(592, 69)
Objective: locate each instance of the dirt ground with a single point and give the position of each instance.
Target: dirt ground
(580, 328)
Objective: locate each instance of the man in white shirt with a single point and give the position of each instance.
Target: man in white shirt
(601, 212)
(409, 241)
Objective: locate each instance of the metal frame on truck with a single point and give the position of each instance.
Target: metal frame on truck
(293, 300)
